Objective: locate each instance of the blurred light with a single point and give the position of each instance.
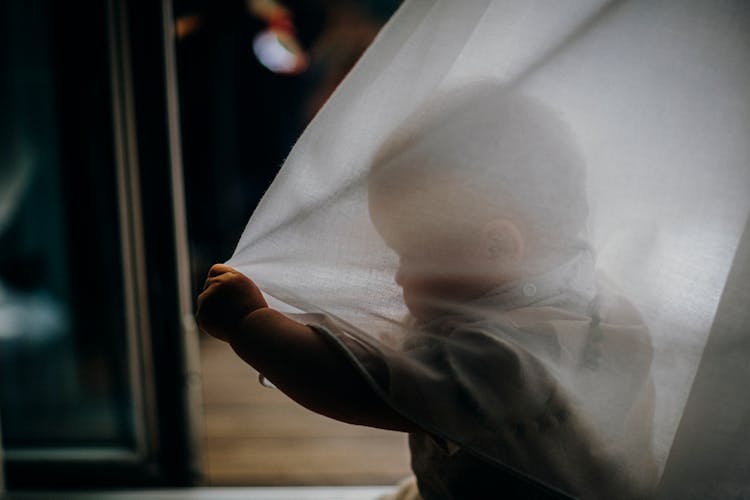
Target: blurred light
(187, 25)
(279, 52)
(268, 10)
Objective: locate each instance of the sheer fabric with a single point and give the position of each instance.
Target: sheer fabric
(518, 219)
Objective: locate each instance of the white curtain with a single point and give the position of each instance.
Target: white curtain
(600, 152)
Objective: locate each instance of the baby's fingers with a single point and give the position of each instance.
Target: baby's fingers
(218, 269)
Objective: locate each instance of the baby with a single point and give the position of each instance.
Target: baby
(517, 366)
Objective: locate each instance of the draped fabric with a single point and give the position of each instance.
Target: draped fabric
(518, 220)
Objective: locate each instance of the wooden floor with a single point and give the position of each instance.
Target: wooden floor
(257, 436)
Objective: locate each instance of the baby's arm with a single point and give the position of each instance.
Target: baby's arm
(297, 359)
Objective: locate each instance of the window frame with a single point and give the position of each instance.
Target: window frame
(158, 319)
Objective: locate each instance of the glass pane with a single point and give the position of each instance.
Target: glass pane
(63, 353)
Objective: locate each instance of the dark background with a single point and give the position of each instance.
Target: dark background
(239, 119)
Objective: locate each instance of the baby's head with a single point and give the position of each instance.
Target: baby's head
(479, 187)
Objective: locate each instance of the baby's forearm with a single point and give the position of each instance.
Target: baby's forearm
(311, 371)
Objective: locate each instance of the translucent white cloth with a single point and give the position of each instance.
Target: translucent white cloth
(560, 191)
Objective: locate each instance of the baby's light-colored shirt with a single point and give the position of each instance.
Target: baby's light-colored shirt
(547, 379)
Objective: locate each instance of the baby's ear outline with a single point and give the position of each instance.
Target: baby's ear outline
(502, 241)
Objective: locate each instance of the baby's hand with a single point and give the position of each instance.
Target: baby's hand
(227, 297)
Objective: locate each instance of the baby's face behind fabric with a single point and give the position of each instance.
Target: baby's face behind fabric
(443, 259)
(471, 159)
(433, 278)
